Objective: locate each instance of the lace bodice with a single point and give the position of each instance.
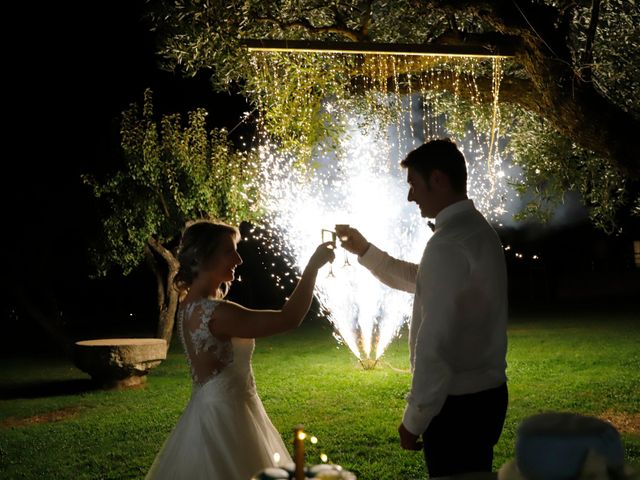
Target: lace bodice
(212, 357)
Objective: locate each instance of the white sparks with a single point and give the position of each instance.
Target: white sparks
(361, 183)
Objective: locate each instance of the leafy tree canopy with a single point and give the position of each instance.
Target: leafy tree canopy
(571, 93)
(174, 170)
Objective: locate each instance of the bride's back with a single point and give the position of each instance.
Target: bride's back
(210, 356)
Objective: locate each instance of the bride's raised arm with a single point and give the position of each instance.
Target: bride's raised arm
(233, 320)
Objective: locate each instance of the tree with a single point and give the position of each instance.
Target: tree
(575, 71)
(173, 172)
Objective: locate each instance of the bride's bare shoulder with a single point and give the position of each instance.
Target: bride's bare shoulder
(228, 307)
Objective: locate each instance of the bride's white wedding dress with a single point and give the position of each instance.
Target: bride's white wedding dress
(224, 432)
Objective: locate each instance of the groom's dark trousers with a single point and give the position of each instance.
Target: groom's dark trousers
(460, 439)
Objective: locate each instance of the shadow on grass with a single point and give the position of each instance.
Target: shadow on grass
(54, 388)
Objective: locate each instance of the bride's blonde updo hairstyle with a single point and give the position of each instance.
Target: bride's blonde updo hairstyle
(199, 242)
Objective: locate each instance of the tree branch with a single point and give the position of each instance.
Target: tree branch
(164, 203)
(367, 21)
(587, 56)
(155, 268)
(534, 22)
(484, 40)
(168, 308)
(161, 250)
(306, 25)
(565, 6)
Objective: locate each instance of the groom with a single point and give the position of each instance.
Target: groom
(457, 337)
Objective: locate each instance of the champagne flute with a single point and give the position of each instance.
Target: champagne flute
(329, 236)
(343, 227)
(346, 260)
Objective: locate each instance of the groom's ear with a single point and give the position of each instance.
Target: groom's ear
(438, 180)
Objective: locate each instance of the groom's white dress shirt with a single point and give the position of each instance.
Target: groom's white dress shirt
(457, 336)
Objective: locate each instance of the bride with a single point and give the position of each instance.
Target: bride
(224, 432)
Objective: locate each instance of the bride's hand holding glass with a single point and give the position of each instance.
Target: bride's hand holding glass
(324, 254)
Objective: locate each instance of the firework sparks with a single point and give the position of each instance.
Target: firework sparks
(361, 183)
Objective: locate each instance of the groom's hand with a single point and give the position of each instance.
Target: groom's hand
(352, 240)
(408, 440)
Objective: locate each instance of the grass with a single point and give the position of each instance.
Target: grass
(53, 426)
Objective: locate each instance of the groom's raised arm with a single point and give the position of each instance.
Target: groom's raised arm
(394, 273)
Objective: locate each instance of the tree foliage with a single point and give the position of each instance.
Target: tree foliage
(571, 93)
(174, 171)
(290, 95)
(554, 165)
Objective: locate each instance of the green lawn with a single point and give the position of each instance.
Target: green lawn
(587, 363)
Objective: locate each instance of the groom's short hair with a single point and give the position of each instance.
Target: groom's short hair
(443, 155)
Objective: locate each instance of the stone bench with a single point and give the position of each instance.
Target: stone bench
(119, 362)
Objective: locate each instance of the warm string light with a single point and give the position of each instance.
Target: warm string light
(497, 76)
(521, 256)
(361, 182)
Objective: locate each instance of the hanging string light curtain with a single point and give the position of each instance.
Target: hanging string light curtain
(353, 110)
(316, 46)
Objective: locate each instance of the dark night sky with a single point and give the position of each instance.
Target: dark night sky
(89, 62)
(66, 90)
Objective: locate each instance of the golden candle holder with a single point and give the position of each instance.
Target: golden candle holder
(298, 451)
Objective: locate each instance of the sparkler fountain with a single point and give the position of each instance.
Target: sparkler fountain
(360, 182)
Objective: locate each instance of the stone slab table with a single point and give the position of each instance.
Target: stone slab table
(119, 362)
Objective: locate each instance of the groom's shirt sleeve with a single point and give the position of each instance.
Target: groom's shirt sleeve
(394, 273)
(442, 279)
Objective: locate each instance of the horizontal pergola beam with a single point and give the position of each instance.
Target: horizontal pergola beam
(318, 46)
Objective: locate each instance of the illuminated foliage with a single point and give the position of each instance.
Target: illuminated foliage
(575, 79)
(289, 92)
(173, 171)
(553, 165)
